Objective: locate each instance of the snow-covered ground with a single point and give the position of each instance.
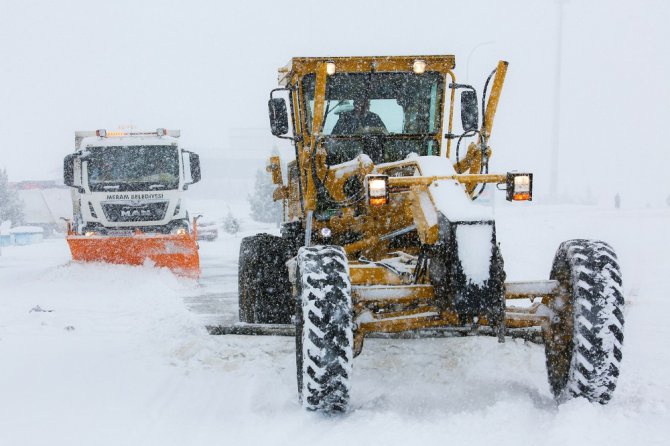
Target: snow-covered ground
(117, 355)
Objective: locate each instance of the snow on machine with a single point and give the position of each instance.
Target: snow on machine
(383, 232)
(127, 191)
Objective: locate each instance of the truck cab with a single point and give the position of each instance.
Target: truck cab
(128, 181)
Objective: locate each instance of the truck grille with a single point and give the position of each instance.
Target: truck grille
(144, 212)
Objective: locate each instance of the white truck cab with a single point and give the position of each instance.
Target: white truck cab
(125, 181)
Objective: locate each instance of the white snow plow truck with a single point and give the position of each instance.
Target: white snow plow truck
(127, 191)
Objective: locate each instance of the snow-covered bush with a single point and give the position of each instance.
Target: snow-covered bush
(231, 224)
(11, 207)
(263, 208)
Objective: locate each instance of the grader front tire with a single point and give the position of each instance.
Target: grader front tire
(584, 342)
(324, 329)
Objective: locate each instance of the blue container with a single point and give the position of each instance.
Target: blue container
(6, 240)
(27, 235)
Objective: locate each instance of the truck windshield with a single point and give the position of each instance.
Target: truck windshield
(132, 168)
(385, 115)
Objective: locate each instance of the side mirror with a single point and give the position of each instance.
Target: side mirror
(68, 170)
(278, 116)
(469, 110)
(194, 159)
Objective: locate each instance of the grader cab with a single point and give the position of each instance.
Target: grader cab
(383, 232)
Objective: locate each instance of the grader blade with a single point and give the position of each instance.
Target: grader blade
(242, 329)
(245, 329)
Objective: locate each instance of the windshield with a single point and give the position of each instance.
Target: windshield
(132, 168)
(386, 115)
(396, 103)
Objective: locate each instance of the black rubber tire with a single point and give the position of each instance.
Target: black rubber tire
(263, 283)
(324, 329)
(584, 344)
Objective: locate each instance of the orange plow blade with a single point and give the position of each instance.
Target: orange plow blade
(179, 252)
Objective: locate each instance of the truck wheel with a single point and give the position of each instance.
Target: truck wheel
(324, 329)
(585, 337)
(264, 287)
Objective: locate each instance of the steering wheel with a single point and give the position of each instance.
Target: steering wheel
(373, 142)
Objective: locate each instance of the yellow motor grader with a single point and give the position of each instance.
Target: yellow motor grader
(383, 233)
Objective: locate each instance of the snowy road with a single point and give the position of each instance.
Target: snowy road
(118, 355)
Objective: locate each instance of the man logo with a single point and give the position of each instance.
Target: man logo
(135, 213)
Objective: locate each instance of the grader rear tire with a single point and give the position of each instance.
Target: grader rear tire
(264, 287)
(324, 329)
(584, 342)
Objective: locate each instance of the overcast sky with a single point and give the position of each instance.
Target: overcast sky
(206, 67)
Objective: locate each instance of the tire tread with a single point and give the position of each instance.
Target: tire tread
(589, 270)
(325, 348)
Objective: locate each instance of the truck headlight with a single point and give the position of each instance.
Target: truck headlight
(519, 186)
(180, 228)
(377, 187)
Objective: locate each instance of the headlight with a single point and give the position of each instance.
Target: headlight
(330, 68)
(419, 66)
(377, 189)
(519, 186)
(179, 230)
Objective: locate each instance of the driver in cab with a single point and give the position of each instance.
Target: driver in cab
(359, 120)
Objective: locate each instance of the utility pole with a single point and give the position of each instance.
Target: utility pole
(556, 128)
(472, 51)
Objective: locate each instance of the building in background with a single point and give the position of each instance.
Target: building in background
(230, 174)
(44, 203)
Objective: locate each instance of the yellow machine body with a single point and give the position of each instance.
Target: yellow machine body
(385, 301)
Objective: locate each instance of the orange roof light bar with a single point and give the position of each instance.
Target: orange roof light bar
(102, 133)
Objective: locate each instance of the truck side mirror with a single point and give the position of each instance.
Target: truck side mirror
(194, 159)
(278, 116)
(469, 111)
(68, 170)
